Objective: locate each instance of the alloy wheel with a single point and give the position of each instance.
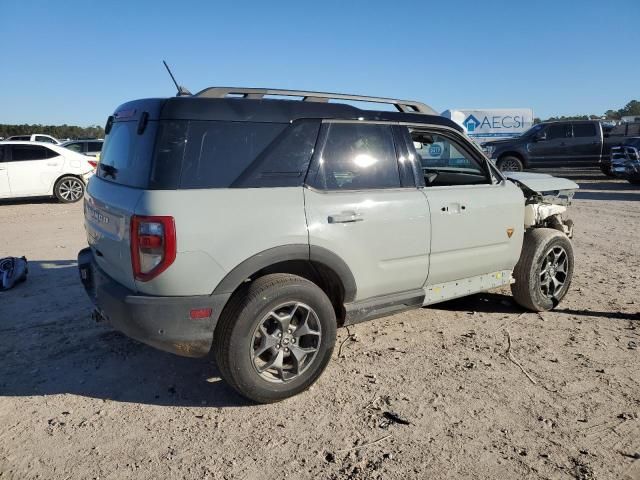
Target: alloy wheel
(509, 165)
(285, 342)
(71, 190)
(553, 272)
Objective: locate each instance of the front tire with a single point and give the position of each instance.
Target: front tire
(275, 337)
(545, 270)
(69, 189)
(510, 164)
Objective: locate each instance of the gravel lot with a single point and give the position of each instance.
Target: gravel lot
(78, 400)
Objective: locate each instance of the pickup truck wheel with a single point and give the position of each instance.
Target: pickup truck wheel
(69, 189)
(545, 269)
(275, 337)
(510, 164)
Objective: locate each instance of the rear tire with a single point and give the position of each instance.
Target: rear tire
(275, 337)
(510, 164)
(545, 270)
(69, 189)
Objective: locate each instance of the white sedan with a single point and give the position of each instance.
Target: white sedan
(36, 169)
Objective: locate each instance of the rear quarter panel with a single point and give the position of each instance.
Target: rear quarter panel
(217, 229)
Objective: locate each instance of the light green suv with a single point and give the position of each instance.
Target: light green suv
(238, 221)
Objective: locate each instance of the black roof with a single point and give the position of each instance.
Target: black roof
(263, 110)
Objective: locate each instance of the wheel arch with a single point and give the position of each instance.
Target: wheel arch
(318, 265)
(63, 175)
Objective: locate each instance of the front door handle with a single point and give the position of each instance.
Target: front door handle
(453, 208)
(52, 164)
(345, 217)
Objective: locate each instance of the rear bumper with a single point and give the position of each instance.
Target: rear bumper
(162, 322)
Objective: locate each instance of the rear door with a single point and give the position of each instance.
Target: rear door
(5, 191)
(552, 150)
(586, 144)
(362, 205)
(33, 169)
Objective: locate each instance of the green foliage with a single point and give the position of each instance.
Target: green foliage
(631, 108)
(58, 131)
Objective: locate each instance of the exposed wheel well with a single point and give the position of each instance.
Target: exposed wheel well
(318, 273)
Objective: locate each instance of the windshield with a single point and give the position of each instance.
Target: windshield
(533, 130)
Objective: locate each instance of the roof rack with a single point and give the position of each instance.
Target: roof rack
(406, 106)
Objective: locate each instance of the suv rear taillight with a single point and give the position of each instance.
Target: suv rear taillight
(153, 245)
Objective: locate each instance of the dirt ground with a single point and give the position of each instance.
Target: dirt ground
(78, 400)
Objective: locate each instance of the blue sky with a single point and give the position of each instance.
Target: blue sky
(75, 61)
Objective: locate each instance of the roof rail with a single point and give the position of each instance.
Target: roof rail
(406, 106)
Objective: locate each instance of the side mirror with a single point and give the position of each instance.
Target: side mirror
(540, 137)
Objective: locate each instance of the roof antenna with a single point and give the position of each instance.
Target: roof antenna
(181, 90)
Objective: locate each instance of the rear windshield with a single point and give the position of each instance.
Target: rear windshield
(126, 155)
(184, 154)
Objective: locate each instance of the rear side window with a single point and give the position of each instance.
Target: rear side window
(1, 154)
(41, 138)
(220, 154)
(285, 162)
(357, 156)
(126, 155)
(216, 153)
(584, 130)
(21, 153)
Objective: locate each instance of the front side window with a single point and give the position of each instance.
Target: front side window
(584, 130)
(41, 138)
(357, 156)
(20, 153)
(446, 161)
(557, 131)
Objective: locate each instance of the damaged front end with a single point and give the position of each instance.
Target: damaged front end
(546, 200)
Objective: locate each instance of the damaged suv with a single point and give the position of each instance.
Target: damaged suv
(238, 221)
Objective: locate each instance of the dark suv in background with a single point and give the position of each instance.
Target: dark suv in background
(579, 143)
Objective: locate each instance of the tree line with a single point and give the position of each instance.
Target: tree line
(631, 108)
(73, 132)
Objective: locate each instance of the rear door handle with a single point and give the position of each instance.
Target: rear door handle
(53, 164)
(346, 217)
